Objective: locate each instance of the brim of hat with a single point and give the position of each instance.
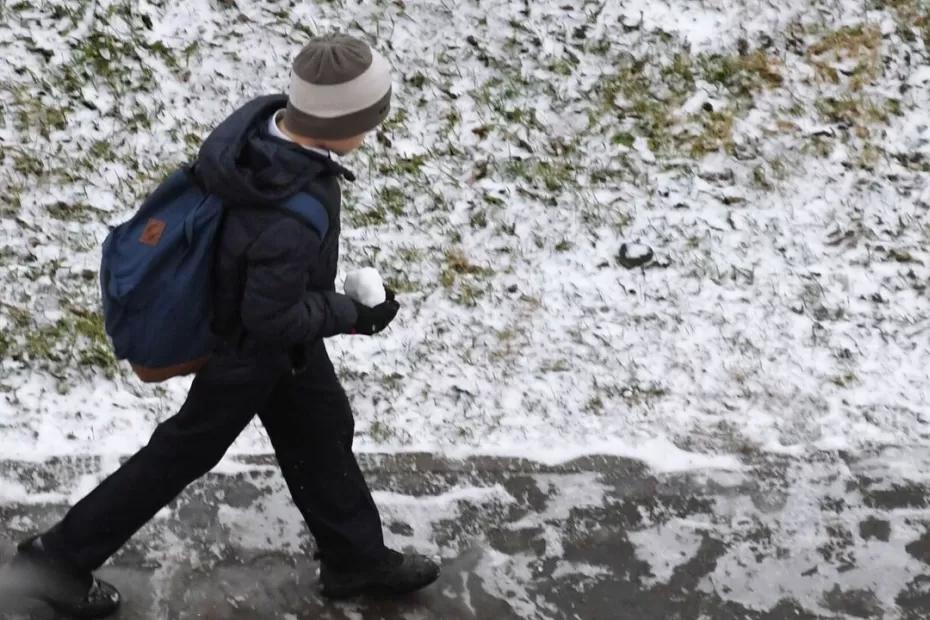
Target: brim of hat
(339, 127)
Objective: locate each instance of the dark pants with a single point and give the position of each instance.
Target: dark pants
(309, 421)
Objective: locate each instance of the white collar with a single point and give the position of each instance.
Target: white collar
(275, 131)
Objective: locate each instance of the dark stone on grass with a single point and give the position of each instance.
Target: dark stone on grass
(634, 255)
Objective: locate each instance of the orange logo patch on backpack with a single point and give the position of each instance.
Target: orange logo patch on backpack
(153, 232)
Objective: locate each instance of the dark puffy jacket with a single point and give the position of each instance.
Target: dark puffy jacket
(274, 281)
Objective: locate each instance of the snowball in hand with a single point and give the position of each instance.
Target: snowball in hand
(365, 286)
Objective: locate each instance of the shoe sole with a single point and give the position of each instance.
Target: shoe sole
(12, 594)
(374, 589)
(77, 615)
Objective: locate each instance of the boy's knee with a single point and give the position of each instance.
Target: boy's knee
(333, 411)
(192, 453)
(342, 408)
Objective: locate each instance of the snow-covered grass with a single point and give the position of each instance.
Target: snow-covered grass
(773, 154)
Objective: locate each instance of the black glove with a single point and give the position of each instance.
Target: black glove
(373, 320)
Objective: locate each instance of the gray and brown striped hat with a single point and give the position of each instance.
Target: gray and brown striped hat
(340, 88)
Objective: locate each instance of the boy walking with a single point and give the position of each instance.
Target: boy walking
(275, 302)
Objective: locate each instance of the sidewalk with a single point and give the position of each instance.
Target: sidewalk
(595, 539)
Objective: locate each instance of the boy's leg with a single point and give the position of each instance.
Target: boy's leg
(309, 421)
(223, 398)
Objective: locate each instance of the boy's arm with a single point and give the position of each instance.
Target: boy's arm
(277, 309)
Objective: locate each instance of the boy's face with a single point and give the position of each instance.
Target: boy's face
(346, 145)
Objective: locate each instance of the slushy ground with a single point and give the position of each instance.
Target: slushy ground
(597, 538)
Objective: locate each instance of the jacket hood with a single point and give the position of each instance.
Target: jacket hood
(244, 165)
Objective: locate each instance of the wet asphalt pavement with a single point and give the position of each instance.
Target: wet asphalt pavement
(599, 538)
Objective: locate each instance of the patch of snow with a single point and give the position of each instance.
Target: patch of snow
(919, 76)
(423, 513)
(667, 546)
(786, 310)
(266, 523)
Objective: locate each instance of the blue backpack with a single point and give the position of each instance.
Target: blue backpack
(156, 276)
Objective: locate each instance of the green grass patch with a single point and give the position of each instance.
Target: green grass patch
(553, 174)
(395, 121)
(418, 80)
(6, 345)
(716, 134)
(393, 200)
(96, 351)
(410, 254)
(624, 138)
(31, 113)
(913, 17)
(404, 165)
(564, 66)
(856, 110)
(370, 217)
(629, 93)
(11, 206)
(401, 283)
(77, 340)
(861, 43)
(464, 279)
(742, 75)
(594, 406)
(117, 61)
(469, 294)
(28, 164)
(679, 75)
(850, 41)
(458, 262)
(79, 212)
(478, 219)
(389, 202)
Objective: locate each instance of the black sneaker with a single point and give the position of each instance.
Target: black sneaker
(35, 573)
(397, 573)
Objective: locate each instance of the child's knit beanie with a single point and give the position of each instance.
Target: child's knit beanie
(340, 88)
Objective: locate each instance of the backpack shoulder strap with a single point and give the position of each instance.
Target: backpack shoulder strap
(309, 210)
